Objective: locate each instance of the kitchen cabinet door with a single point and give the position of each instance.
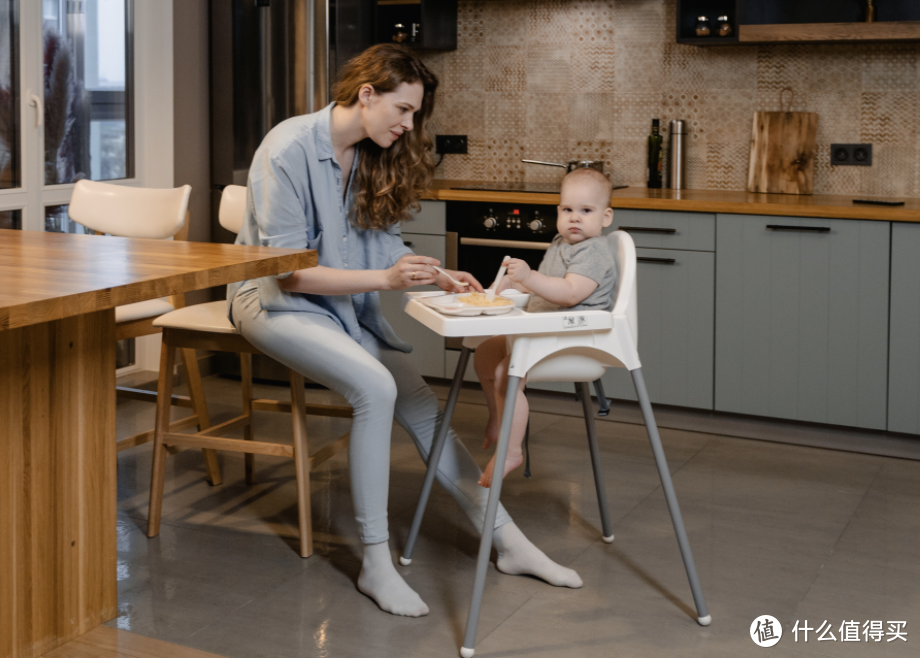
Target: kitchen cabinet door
(802, 319)
(904, 351)
(676, 315)
(427, 346)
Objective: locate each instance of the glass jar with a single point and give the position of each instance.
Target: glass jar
(702, 26)
(725, 26)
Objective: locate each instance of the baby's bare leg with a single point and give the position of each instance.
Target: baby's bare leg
(515, 456)
(485, 361)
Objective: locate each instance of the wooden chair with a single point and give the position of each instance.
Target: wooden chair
(134, 212)
(207, 327)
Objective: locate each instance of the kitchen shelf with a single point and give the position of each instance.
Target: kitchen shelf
(830, 32)
(437, 20)
(794, 21)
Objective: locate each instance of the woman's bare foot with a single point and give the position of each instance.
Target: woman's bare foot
(491, 434)
(512, 461)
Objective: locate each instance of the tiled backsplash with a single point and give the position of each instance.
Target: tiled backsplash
(564, 79)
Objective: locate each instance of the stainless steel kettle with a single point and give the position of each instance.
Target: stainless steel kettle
(572, 164)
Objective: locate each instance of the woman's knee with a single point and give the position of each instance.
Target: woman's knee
(377, 389)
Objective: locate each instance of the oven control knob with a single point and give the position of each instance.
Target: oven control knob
(535, 225)
(490, 222)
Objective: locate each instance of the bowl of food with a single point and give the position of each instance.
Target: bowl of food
(519, 298)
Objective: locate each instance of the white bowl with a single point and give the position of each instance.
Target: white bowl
(519, 298)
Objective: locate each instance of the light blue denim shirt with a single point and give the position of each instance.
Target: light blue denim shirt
(294, 200)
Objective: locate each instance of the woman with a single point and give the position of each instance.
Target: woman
(340, 181)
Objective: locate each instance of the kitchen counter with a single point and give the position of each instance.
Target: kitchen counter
(709, 201)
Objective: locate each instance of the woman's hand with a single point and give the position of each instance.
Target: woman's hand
(411, 270)
(518, 270)
(446, 284)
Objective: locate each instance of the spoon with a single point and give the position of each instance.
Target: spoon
(490, 292)
(452, 279)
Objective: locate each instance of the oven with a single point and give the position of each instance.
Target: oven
(480, 234)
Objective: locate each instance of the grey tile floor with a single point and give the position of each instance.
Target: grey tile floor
(798, 533)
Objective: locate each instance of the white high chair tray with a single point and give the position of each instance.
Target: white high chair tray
(514, 322)
(451, 305)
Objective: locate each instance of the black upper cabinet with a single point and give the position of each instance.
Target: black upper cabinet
(435, 23)
(775, 12)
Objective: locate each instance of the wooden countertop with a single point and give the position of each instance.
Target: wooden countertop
(711, 201)
(49, 276)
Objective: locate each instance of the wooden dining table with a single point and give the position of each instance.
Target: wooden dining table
(58, 294)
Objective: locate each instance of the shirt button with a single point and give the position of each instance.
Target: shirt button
(346, 264)
(344, 238)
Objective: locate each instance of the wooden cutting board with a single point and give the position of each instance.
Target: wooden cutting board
(783, 153)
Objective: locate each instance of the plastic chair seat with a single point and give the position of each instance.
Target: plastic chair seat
(142, 310)
(210, 317)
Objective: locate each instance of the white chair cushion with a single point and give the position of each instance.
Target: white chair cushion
(142, 310)
(211, 317)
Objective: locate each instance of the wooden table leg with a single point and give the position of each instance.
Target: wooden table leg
(57, 482)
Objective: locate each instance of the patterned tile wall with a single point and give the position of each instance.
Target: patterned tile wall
(564, 79)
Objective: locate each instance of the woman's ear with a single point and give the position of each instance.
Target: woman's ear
(365, 93)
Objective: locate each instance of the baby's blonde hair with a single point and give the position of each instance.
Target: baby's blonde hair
(604, 185)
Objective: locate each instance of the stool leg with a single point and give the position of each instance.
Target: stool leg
(585, 395)
(196, 392)
(164, 404)
(434, 457)
(603, 404)
(485, 544)
(301, 464)
(246, 377)
(702, 613)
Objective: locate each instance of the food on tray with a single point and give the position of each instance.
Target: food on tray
(479, 299)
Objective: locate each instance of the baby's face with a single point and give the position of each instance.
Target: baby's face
(584, 210)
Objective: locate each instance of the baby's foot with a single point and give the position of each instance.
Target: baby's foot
(491, 434)
(512, 461)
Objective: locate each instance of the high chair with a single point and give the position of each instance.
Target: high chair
(575, 346)
(137, 212)
(207, 327)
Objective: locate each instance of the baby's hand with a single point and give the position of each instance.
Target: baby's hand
(518, 270)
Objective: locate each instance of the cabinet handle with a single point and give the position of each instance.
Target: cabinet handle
(408, 243)
(646, 229)
(663, 261)
(810, 229)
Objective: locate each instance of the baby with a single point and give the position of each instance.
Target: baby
(577, 272)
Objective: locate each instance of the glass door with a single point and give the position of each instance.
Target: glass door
(66, 105)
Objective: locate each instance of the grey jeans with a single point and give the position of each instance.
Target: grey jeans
(381, 384)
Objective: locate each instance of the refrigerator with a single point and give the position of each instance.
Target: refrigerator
(271, 60)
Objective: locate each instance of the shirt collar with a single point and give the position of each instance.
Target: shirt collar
(324, 133)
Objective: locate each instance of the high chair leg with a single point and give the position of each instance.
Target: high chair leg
(434, 457)
(488, 528)
(585, 395)
(158, 472)
(702, 613)
(603, 404)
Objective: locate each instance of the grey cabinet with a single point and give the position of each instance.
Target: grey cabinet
(676, 303)
(904, 350)
(425, 235)
(802, 319)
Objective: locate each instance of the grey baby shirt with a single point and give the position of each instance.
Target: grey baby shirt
(590, 258)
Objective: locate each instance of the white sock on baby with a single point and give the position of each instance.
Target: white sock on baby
(517, 555)
(380, 581)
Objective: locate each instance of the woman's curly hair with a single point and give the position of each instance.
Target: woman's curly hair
(389, 181)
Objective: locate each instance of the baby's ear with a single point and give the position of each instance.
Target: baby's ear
(608, 217)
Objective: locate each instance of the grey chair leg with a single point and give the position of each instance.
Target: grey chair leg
(488, 528)
(603, 404)
(702, 613)
(585, 394)
(434, 457)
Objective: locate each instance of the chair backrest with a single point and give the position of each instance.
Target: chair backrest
(233, 208)
(130, 212)
(623, 250)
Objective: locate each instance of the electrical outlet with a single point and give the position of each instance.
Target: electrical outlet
(445, 144)
(859, 155)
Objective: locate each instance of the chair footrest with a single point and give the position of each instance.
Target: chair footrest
(231, 445)
(145, 437)
(151, 396)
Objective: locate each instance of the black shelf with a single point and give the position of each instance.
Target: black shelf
(436, 18)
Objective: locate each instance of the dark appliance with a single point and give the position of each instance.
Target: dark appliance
(481, 234)
(271, 60)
